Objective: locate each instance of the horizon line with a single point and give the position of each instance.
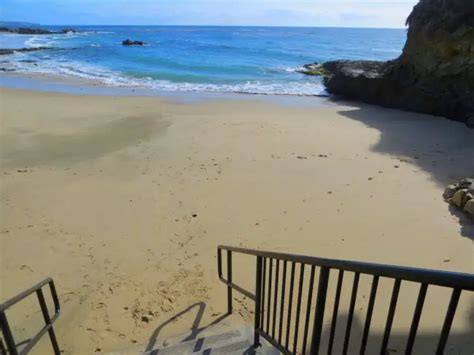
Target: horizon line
(191, 25)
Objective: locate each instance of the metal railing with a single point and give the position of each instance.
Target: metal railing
(7, 335)
(270, 299)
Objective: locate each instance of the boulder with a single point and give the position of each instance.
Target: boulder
(449, 192)
(469, 208)
(458, 198)
(466, 198)
(129, 42)
(466, 183)
(433, 75)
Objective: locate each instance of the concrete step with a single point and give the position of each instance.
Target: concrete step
(236, 341)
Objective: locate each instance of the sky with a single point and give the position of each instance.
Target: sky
(310, 13)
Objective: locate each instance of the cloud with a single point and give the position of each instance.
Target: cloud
(345, 13)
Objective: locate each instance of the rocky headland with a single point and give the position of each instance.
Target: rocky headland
(35, 31)
(434, 74)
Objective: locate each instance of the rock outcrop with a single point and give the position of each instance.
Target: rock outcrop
(461, 195)
(434, 74)
(129, 42)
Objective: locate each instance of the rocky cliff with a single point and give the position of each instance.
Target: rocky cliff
(434, 74)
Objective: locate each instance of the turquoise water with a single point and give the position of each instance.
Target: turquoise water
(257, 60)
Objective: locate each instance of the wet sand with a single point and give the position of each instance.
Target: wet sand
(123, 200)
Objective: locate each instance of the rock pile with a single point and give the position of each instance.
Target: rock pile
(461, 195)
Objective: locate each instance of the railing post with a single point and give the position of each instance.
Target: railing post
(219, 262)
(229, 279)
(47, 320)
(3, 350)
(448, 320)
(258, 299)
(319, 312)
(7, 334)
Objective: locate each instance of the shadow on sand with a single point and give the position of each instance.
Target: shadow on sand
(467, 227)
(442, 148)
(425, 342)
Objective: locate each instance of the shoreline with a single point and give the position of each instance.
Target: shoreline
(125, 199)
(79, 86)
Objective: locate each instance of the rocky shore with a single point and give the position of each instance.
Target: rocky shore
(434, 74)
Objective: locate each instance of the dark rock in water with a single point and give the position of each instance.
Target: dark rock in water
(434, 74)
(6, 51)
(28, 61)
(33, 31)
(6, 69)
(68, 30)
(129, 42)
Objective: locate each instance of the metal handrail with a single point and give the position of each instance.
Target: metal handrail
(48, 327)
(433, 277)
(456, 281)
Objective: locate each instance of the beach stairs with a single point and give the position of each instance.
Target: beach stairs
(226, 335)
(235, 341)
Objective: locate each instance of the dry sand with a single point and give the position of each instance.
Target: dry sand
(124, 200)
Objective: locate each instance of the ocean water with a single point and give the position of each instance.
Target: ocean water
(253, 60)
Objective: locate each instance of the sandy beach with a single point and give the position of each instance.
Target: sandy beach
(123, 200)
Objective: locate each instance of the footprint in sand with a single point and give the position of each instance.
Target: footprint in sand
(26, 267)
